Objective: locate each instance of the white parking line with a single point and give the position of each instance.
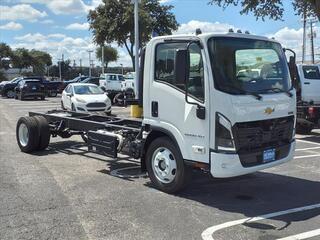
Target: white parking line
(304, 149)
(304, 235)
(299, 157)
(304, 141)
(207, 234)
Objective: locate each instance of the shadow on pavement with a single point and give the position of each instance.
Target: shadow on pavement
(256, 194)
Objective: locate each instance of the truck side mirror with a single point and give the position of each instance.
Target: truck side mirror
(181, 66)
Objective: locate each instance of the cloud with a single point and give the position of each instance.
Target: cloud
(190, 27)
(72, 48)
(13, 26)
(78, 26)
(47, 21)
(21, 12)
(67, 7)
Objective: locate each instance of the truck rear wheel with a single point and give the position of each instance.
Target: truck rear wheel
(27, 134)
(165, 165)
(44, 132)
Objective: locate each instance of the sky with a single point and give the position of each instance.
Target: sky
(60, 26)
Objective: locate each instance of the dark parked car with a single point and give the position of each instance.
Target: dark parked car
(93, 80)
(75, 80)
(31, 88)
(51, 88)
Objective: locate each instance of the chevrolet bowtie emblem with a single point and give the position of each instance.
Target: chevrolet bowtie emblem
(269, 110)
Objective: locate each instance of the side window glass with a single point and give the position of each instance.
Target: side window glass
(164, 67)
(196, 73)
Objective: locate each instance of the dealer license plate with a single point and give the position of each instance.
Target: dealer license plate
(269, 155)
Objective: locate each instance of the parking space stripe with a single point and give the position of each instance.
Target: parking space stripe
(304, 235)
(299, 157)
(207, 234)
(304, 141)
(304, 149)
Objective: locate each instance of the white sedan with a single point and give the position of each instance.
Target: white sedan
(84, 97)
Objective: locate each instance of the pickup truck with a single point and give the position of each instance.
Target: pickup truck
(51, 88)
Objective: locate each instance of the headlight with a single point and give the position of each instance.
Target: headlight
(224, 137)
(108, 100)
(80, 100)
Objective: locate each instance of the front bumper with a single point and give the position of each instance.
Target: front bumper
(84, 108)
(229, 165)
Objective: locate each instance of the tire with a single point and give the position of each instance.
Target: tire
(303, 129)
(10, 94)
(53, 94)
(62, 106)
(84, 137)
(43, 131)
(27, 134)
(164, 148)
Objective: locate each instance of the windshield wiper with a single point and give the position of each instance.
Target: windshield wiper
(256, 95)
(278, 90)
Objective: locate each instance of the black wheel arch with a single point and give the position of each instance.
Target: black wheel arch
(155, 132)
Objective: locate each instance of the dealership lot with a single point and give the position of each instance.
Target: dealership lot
(66, 192)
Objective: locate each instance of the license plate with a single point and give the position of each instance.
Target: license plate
(269, 155)
(34, 88)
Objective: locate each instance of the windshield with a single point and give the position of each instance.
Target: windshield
(243, 66)
(87, 90)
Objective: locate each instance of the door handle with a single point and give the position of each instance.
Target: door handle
(154, 109)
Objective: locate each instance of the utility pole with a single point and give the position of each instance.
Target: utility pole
(304, 37)
(312, 35)
(89, 51)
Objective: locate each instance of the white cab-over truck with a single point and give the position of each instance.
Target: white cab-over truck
(198, 111)
(308, 97)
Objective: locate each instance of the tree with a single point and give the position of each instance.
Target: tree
(272, 8)
(112, 21)
(110, 55)
(40, 60)
(5, 55)
(21, 58)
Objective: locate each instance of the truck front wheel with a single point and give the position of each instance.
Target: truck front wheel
(165, 165)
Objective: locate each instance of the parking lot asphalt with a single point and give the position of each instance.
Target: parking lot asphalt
(66, 192)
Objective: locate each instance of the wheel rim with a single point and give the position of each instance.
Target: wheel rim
(23, 135)
(164, 165)
(10, 94)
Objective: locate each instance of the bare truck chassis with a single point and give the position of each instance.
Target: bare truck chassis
(103, 134)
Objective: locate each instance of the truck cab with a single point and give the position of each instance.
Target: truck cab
(234, 123)
(309, 76)
(308, 87)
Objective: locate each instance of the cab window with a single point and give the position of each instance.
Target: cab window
(165, 72)
(311, 72)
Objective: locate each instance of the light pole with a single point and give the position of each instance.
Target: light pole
(102, 58)
(121, 68)
(136, 40)
(89, 51)
(60, 75)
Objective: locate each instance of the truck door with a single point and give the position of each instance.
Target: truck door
(168, 108)
(310, 83)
